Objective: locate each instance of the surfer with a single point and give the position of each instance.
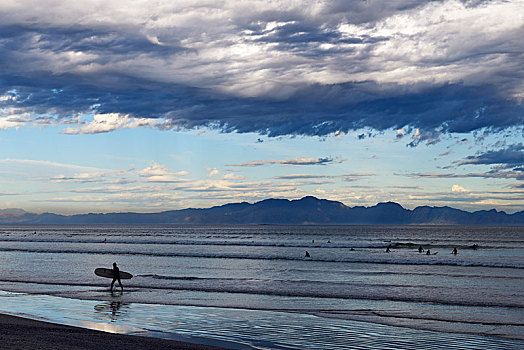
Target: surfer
(307, 254)
(116, 277)
(388, 250)
(454, 251)
(428, 252)
(420, 249)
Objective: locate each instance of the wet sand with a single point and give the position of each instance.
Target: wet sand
(25, 334)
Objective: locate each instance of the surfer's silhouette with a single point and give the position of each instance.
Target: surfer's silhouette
(116, 277)
(454, 251)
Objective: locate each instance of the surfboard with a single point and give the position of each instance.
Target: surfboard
(108, 273)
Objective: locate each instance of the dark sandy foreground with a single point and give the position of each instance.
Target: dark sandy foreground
(21, 333)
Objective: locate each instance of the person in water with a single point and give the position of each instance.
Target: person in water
(420, 249)
(307, 254)
(388, 250)
(116, 277)
(428, 252)
(454, 251)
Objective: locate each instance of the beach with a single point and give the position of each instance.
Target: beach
(22, 333)
(252, 287)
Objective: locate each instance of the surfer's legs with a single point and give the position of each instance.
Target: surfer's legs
(119, 283)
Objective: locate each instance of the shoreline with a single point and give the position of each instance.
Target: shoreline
(23, 333)
(46, 322)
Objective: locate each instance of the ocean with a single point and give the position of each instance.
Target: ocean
(253, 287)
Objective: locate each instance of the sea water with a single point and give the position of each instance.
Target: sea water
(253, 286)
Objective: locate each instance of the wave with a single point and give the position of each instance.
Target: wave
(286, 258)
(181, 278)
(324, 293)
(513, 331)
(315, 283)
(359, 272)
(342, 313)
(345, 245)
(433, 273)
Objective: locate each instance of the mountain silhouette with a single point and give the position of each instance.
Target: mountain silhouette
(306, 211)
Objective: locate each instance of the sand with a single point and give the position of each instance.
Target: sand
(22, 333)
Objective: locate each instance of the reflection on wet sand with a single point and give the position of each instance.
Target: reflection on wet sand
(111, 310)
(109, 327)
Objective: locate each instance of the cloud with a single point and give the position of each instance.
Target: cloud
(12, 122)
(474, 199)
(113, 121)
(457, 188)
(160, 173)
(447, 153)
(213, 172)
(231, 176)
(292, 162)
(492, 174)
(89, 177)
(348, 177)
(274, 68)
(512, 156)
(506, 163)
(47, 164)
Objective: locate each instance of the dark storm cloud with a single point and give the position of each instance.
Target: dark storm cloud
(301, 33)
(314, 110)
(59, 70)
(506, 162)
(99, 40)
(512, 156)
(303, 39)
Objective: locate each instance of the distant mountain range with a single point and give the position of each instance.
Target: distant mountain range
(308, 210)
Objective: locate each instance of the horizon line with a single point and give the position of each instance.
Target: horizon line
(253, 203)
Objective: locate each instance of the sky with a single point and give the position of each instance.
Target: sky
(145, 106)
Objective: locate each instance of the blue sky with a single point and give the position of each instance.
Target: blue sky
(141, 106)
